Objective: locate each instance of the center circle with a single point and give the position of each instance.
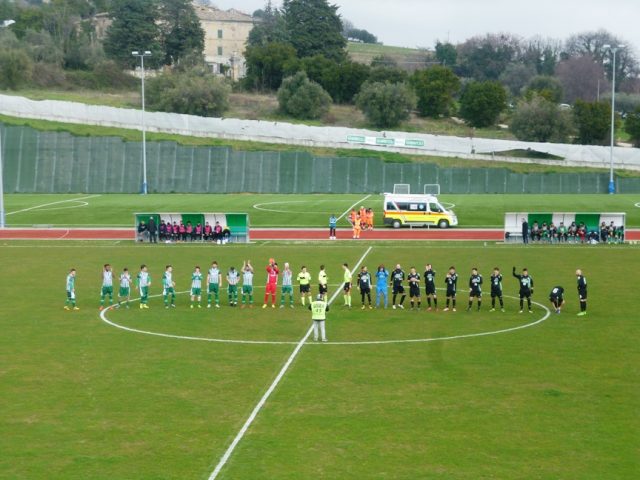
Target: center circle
(538, 321)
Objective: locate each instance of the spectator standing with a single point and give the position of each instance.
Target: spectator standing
(153, 230)
(525, 231)
(333, 222)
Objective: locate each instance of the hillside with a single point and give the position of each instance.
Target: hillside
(407, 58)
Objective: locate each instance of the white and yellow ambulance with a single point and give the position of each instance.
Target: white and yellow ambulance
(416, 211)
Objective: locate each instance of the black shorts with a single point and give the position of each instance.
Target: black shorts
(556, 300)
(365, 288)
(496, 293)
(430, 289)
(414, 291)
(525, 293)
(398, 289)
(322, 289)
(582, 294)
(475, 293)
(347, 286)
(451, 293)
(305, 288)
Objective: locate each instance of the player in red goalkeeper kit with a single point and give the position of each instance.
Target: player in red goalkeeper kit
(272, 283)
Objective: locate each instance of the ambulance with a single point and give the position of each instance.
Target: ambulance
(416, 211)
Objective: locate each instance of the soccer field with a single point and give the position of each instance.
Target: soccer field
(445, 395)
(291, 210)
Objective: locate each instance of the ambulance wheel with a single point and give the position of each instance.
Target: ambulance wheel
(396, 224)
(443, 224)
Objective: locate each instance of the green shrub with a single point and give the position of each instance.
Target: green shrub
(301, 98)
(482, 102)
(192, 93)
(435, 88)
(386, 105)
(632, 126)
(539, 120)
(15, 68)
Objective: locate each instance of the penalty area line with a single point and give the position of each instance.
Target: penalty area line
(272, 387)
(52, 203)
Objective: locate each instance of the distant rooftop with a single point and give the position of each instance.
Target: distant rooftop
(213, 13)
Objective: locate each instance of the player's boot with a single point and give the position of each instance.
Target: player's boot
(78, 308)
(66, 307)
(264, 306)
(492, 310)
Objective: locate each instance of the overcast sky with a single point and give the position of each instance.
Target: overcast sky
(413, 23)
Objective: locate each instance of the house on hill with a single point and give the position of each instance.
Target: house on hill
(225, 38)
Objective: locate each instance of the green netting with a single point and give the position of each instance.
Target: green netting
(57, 162)
(591, 220)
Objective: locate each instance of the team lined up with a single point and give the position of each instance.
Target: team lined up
(364, 284)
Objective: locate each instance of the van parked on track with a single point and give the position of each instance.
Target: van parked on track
(416, 211)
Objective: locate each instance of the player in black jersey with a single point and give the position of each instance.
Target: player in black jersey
(496, 289)
(430, 286)
(582, 292)
(556, 297)
(397, 277)
(452, 284)
(475, 288)
(526, 288)
(364, 285)
(414, 287)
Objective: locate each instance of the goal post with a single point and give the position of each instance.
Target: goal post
(431, 189)
(401, 188)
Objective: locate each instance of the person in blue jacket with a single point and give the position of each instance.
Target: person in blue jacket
(382, 287)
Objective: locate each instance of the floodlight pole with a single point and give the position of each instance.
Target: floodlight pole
(141, 56)
(614, 49)
(5, 23)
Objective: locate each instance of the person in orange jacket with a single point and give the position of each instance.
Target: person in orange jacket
(357, 227)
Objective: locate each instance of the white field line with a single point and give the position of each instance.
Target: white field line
(52, 203)
(272, 387)
(352, 206)
(259, 206)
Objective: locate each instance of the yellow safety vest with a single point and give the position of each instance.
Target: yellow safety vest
(319, 310)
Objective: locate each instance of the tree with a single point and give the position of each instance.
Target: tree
(193, 93)
(446, 54)
(593, 43)
(388, 75)
(386, 105)
(362, 35)
(266, 65)
(632, 126)
(301, 98)
(134, 27)
(181, 33)
(542, 54)
(485, 58)
(546, 87)
(271, 28)
(435, 88)
(581, 79)
(593, 120)
(539, 120)
(482, 102)
(516, 76)
(15, 68)
(314, 27)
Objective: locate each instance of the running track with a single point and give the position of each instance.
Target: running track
(273, 234)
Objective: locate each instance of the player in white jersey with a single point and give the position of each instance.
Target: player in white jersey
(247, 284)
(214, 281)
(196, 286)
(144, 282)
(71, 291)
(107, 285)
(125, 288)
(232, 286)
(287, 285)
(168, 287)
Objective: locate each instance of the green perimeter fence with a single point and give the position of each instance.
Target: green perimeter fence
(58, 162)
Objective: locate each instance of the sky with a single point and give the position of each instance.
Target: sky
(421, 23)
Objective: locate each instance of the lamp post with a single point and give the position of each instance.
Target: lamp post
(141, 56)
(5, 23)
(614, 49)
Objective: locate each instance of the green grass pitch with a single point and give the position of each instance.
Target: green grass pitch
(82, 399)
(291, 210)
